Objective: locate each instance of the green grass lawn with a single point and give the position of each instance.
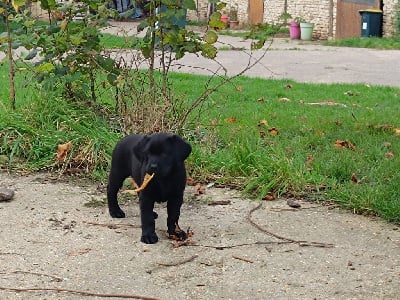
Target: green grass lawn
(367, 42)
(316, 141)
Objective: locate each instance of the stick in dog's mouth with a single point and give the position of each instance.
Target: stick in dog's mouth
(146, 180)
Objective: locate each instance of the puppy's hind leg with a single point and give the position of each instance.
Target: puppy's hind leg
(174, 211)
(115, 182)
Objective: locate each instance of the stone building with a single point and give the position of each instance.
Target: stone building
(331, 18)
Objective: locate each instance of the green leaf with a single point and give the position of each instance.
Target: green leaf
(258, 44)
(45, 67)
(17, 3)
(208, 51)
(48, 4)
(77, 40)
(210, 37)
(217, 24)
(112, 79)
(106, 63)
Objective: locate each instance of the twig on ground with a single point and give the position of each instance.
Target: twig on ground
(82, 293)
(278, 209)
(55, 278)
(111, 226)
(238, 245)
(179, 262)
(300, 243)
(221, 202)
(243, 259)
(177, 244)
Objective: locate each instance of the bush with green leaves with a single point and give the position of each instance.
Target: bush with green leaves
(69, 61)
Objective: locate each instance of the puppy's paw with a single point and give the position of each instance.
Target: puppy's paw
(149, 238)
(178, 235)
(117, 213)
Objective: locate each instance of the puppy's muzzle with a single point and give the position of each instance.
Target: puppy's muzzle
(152, 168)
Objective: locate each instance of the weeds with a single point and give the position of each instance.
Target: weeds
(233, 144)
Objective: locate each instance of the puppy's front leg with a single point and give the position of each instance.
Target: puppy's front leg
(147, 216)
(174, 211)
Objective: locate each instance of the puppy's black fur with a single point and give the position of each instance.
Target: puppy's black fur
(162, 154)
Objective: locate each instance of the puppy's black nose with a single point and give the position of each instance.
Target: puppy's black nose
(153, 167)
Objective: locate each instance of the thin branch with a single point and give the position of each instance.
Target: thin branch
(300, 243)
(82, 293)
(111, 225)
(243, 259)
(239, 245)
(179, 262)
(55, 278)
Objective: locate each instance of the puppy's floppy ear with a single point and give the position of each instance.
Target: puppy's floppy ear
(182, 149)
(141, 147)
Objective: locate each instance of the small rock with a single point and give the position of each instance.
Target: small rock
(293, 203)
(6, 194)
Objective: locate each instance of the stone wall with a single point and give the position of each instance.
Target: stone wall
(322, 13)
(201, 14)
(389, 14)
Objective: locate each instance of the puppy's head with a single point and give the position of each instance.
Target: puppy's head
(159, 153)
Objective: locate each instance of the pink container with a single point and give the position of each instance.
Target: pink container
(294, 30)
(225, 18)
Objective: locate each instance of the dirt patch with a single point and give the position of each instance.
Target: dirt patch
(51, 240)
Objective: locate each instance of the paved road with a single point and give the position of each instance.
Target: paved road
(287, 59)
(297, 60)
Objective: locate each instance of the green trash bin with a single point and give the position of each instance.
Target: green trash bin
(371, 22)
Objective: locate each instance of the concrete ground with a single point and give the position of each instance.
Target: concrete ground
(283, 58)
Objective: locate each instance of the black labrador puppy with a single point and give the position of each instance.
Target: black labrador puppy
(159, 153)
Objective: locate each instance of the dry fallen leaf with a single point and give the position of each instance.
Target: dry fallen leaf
(349, 93)
(289, 86)
(397, 131)
(387, 144)
(284, 99)
(389, 154)
(327, 103)
(189, 181)
(338, 123)
(232, 119)
(262, 123)
(273, 131)
(269, 197)
(262, 99)
(199, 190)
(344, 144)
(62, 150)
(354, 178)
(309, 161)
